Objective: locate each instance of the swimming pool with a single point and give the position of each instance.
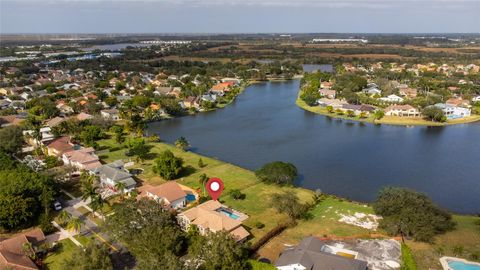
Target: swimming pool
(228, 213)
(456, 265)
(190, 198)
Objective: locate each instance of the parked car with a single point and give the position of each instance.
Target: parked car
(57, 205)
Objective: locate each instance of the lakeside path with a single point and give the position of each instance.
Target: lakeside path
(386, 120)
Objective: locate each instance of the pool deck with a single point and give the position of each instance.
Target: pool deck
(444, 262)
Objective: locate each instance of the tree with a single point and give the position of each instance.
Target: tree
(154, 238)
(89, 190)
(121, 186)
(379, 114)
(434, 114)
(90, 135)
(410, 213)
(200, 163)
(236, 194)
(118, 133)
(24, 194)
(167, 165)
(97, 203)
(11, 139)
(95, 256)
(139, 148)
(350, 113)
(74, 224)
(63, 217)
(277, 172)
(182, 143)
(330, 109)
(218, 251)
(288, 203)
(203, 181)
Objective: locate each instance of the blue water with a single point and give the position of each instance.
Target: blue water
(463, 266)
(191, 197)
(228, 214)
(339, 157)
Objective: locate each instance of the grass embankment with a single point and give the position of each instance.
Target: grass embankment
(387, 120)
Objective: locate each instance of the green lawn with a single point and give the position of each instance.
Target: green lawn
(463, 242)
(54, 261)
(256, 265)
(256, 204)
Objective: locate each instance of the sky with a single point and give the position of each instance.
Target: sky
(239, 16)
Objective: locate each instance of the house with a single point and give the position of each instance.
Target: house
(235, 81)
(402, 111)
(170, 194)
(84, 116)
(192, 102)
(11, 120)
(55, 121)
(391, 99)
(358, 109)
(326, 85)
(311, 254)
(12, 250)
(458, 102)
(111, 114)
(59, 146)
(408, 92)
(335, 103)
(64, 108)
(452, 111)
(212, 216)
(113, 173)
(82, 159)
(372, 90)
(4, 104)
(221, 88)
(324, 92)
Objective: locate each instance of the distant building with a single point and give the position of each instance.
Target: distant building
(391, 99)
(110, 114)
(402, 111)
(453, 112)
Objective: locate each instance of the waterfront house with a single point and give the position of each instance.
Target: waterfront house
(458, 102)
(113, 173)
(192, 102)
(453, 112)
(212, 216)
(402, 111)
(13, 253)
(311, 254)
(328, 93)
(335, 103)
(391, 99)
(170, 194)
(221, 88)
(358, 109)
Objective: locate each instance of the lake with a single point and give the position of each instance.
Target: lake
(341, 157)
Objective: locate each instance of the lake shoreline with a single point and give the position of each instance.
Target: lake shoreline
(386, 120)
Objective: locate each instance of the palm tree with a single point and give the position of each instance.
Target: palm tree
(74, 224)
(121, 186)
(97, 203)
(182, 143)
(64, 216)
(203, 181)
(89, 190)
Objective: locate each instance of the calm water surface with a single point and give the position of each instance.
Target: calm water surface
(337, 156)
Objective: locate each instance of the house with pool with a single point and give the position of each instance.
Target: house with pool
(212, 216)
(170, 194)
(452, 263)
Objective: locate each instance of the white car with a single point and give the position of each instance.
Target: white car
(57, 206)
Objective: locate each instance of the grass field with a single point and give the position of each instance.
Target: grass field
(463, 242)
(54, 260)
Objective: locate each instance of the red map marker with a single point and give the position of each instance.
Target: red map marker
(214, 187)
